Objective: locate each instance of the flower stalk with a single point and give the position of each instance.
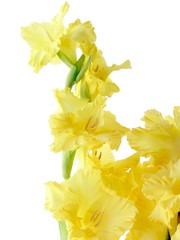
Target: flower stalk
(67, 163)
(63, 231)
(105, 197)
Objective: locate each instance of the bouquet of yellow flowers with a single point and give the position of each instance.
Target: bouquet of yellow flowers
(137, 198)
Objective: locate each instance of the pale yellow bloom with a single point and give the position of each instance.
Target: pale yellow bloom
(164, 188)
(77, 34)
(96, 78)
(160, 139)
(118, 175)
(47, 38)
(90, 211)
(144, 228)
(81, 123)
(44, 39)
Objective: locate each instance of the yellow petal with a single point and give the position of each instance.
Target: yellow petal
(68, 102)
(177, 116)
(90, 210)
(144, 228)
(60, 16)
(44, 39)
(97, 76)
(81, 32)
(154, 119)
(81, 123)
(159, 139)
(164, 187)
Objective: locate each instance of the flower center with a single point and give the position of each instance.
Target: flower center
(96, 218)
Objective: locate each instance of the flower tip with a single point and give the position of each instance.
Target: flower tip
(127, 64)
(65, 7)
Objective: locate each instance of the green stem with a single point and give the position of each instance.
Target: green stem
(63, 230)
(67, 163)
(73, 73)
(76, 72)
(83, 69)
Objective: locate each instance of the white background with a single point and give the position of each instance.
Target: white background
(145, 31)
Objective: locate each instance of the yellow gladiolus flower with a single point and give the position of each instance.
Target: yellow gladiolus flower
(47, 38)
(89, 210)
(44, 39)
(77, 34)
(144, 228)
(119, 176)
(96, 78)
(160, 139)
(116, 175)
(164, 188)
(81, 123)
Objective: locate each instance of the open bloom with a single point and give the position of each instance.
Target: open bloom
(80, 123)
(144, 227)
(90, 211)
(44, 39)
(96, 78)
(160, 139)
(164, 188)
(77, 35)
(47, 38)
(125, 178)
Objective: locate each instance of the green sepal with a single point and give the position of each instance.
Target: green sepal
(77, 70)
(71, 77)
(84, 91)
(74, 71)
(79, 63)
(83, 69)
(67, 163)
(63, 230)
(65, 59)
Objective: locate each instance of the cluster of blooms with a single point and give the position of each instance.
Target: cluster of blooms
(105, 198)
